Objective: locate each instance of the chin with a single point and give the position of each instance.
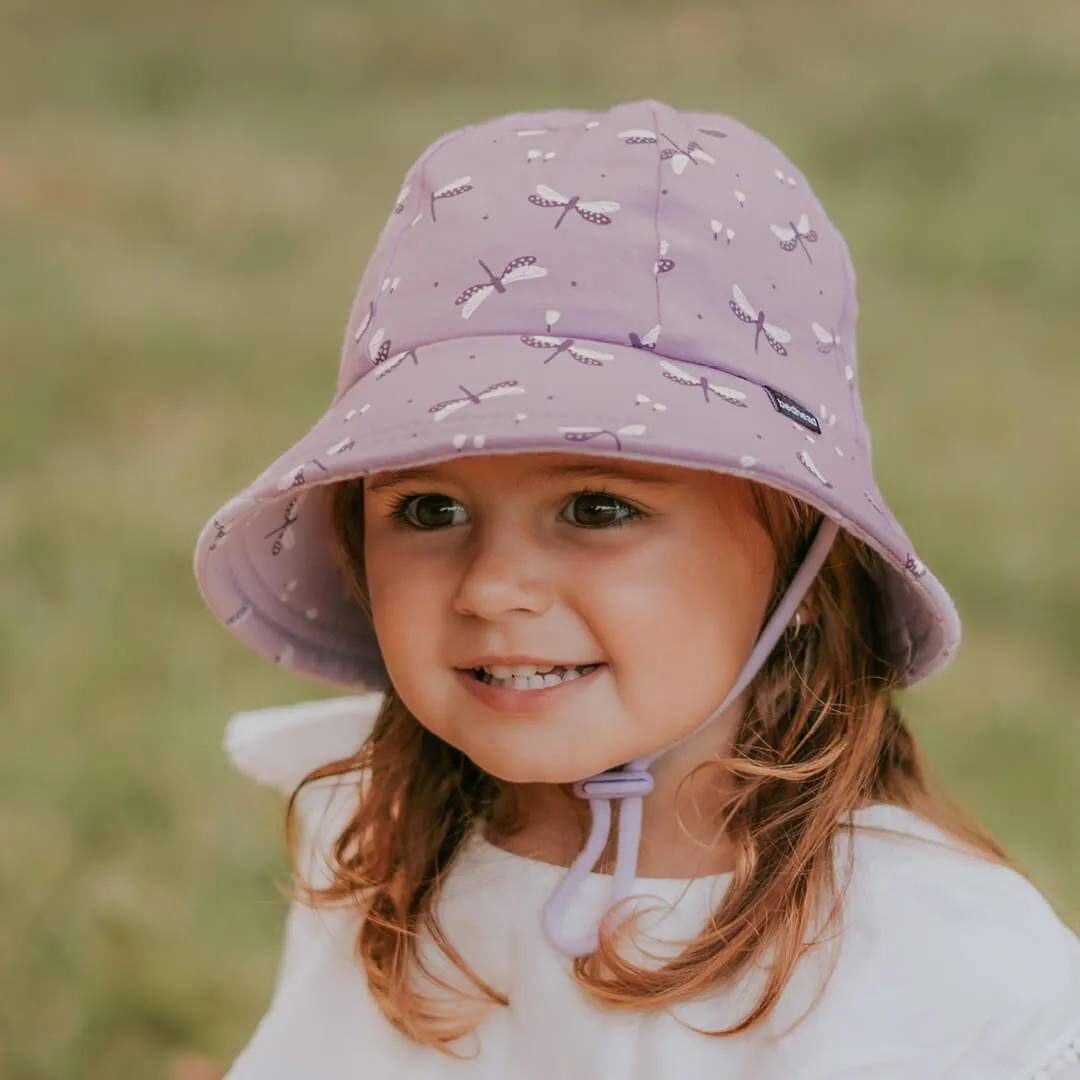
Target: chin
(528, 770)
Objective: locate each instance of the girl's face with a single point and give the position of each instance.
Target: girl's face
(660, 574)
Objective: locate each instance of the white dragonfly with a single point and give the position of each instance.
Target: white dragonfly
(296, 477)
(915, 566)
(683, 378)
(283, 536)
(387, 366)
(807, 463)
(365, 322)
(585, 434)
(242, 614)
(826, 338)
(663, 264)
(776, 337)
(519, 269)
(597, 212)
(444, 408)
(646, 341)
(693, 154)
(680, 157)
(379, 352)
(795, 233)
(449, 191)
(719, 228)
(582, 355)
(636, 136)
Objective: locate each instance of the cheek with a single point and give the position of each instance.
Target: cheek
(681, 618)
(403, 601)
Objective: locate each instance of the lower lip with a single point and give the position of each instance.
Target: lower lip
(524, 702)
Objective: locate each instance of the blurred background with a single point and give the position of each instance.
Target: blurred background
(189, 193)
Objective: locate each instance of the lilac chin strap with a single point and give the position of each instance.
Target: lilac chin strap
(632, 782)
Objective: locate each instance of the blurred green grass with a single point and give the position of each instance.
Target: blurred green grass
(188, 195)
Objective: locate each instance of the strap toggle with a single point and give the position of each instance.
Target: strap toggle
(618, 784)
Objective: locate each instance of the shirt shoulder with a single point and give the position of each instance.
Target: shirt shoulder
(279, 746)
(946, 960)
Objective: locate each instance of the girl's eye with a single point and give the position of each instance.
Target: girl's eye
(599, 509)
(425, 511)
(589, 510)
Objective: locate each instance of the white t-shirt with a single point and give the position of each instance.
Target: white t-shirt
(948, 967)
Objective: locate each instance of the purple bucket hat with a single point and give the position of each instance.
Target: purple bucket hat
(643, 283)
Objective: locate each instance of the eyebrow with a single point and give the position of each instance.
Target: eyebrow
(585, 470)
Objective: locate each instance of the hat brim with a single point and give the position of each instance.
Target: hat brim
(266, 564)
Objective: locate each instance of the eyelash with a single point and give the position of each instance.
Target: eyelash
(399, 509)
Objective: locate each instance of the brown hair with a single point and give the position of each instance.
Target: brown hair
(822, 736)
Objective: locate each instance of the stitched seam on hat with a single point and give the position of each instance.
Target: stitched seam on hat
(358, 435)
(656, 211)
(620, 344)
(622, 421)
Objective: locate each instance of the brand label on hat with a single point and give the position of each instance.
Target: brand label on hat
(792, 409)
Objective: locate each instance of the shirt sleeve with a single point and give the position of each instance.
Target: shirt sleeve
(278, 747)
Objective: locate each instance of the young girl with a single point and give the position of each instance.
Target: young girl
(591, 526)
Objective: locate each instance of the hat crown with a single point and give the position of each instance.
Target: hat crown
(639, 281)
(685, 233)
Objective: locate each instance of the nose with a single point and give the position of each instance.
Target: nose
(505, 570)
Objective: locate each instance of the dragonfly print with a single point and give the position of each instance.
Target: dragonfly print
(683, 378)
(680, 157)
(519, 269)
(283, 535)
(582, 355)
(776, 337)
(693, 154)
(297, 477)
(450, 191)
(795, 233)
(241, 614)
(500, 389)
(365, 322)
(340, 447)
(915, 567)
(646, 342)
(636, 136)
(586, 434)
(379, 352)
(663, 264)
(826, 339)
(875, 504)
(719, 228)
(221, 532)
(595, 212)
(807, 463)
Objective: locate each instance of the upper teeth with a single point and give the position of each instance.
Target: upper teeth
(522, 671)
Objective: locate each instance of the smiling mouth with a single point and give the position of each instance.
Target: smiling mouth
(535, 682)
